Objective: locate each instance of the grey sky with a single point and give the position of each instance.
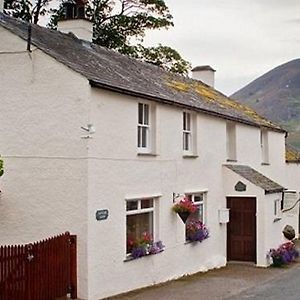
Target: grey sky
(241, 39)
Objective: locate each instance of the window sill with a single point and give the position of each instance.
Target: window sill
(147, 154)
(265, 164)
(190, 156)
(130, 258)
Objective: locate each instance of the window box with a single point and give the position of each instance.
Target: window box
(196, 231)
(144, 246)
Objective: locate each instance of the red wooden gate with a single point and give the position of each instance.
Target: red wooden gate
(45, 270)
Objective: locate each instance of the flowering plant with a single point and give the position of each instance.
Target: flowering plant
(184, 205)
(144, 246)
(196, 231)
(284, 254)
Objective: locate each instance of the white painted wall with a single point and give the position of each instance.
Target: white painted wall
(44, 188)
(82, 28)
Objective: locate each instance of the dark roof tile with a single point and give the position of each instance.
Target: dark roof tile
(256, 178)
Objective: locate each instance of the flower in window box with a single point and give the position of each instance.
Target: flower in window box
(145, 246)
(196, 231)
(184, 208)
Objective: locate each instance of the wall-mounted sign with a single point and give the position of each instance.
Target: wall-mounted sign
(101, 214)
(240, 187)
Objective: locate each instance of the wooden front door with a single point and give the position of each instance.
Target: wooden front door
(241, 229)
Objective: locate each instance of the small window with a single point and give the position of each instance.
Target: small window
(146, 128)
(189, 133)
(264, 144)
(277, 208)
(199, 214)
(231, 141)
(143, 126)
(139, 220)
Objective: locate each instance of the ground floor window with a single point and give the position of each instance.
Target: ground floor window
(139, 221)
(199, 199)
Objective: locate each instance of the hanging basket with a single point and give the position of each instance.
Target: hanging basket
(184, 216)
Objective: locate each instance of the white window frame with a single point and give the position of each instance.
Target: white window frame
(231, 141)
(277, 209)
(189, 133)
(264, 145)
(144, 124)
(141, 210)
(149, 127)
(198, 203)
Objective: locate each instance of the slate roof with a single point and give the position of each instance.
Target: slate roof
(256, 178)
(292, 155)
(108, 69)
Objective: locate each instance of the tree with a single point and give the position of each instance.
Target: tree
(118, 24)
(121, 25)
(27, 10)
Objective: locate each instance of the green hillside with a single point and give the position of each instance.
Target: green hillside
(276, 95)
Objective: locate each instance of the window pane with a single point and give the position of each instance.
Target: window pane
(201, 212)
(132, 205)
(144, 137)
(184, 121)
(147, 203)
(139, 136)
(146, 114)
(188, 122)
(141, 106)
(136, 226)
(198, 198)
(186, 141)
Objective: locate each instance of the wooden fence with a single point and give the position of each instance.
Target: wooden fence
(45, 270)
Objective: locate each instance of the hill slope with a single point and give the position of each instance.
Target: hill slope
(276, 95)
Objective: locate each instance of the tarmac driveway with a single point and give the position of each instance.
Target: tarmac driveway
(224, 283)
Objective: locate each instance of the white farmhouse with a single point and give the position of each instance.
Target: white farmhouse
(101, 145)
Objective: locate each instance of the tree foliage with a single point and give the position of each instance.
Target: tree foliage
(27, 10)
(117, 24)
(122, 24)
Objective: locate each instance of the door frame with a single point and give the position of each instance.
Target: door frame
(254, 198)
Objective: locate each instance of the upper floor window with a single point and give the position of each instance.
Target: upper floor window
(189, 133)
(264, 144)
(146, 128)
(231, 141)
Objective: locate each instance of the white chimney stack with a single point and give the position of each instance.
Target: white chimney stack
(83, 29)
(206, 74)
(74, 20)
